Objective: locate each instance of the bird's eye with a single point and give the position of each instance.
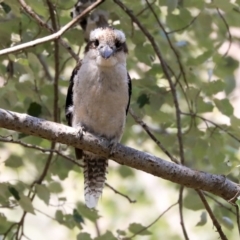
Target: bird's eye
(96, 43)
(118, 44)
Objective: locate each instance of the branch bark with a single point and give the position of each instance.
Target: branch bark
(216, 184)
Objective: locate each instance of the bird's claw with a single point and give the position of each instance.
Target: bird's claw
(81, 132)
(112, 146)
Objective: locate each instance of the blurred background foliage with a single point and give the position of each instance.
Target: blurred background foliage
(41, 190)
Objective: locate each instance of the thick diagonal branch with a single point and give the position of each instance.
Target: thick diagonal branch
(216, 184)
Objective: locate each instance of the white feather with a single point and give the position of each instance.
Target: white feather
(106, 33)
(91, 198)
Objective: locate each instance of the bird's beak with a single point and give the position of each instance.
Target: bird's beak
(106, 52)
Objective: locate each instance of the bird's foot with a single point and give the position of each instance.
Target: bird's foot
(81, 132)
(112, 147)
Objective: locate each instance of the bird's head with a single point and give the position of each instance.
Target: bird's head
(107, 46)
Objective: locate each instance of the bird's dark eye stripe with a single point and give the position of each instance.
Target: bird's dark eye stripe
(96, 43)
(118, 44)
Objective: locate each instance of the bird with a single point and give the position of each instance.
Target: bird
(98, 100)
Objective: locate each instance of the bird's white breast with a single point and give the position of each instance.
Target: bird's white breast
(100, 97)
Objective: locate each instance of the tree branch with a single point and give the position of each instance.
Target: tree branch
(216, 184)
(119, 193)
(214, 219)
(151, 224)
(180, 202)
(51, 37)
(146, 128)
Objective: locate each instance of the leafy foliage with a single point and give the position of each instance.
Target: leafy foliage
(198, 40)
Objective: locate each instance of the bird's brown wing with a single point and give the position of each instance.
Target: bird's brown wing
(129, 92)
(69, 104)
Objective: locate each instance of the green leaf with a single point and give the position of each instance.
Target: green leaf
(171, 4)
(14, 162)
(230, 83)
(55, 187)
(77, 217)
(5, 7)
(142, 100)
(34, 109)
(203, 219)
(4, 190)
(14, 7)
(125, 171)
(201, 58)
(213, 87)
(61, 168)
(14, 192)
(139, 229)
(26, 204)
(121, 232)
(84, 236)
(224, 5)
(90, 214)
(5, 224)
(39, 8)
(59, 216)
(62, 199)
(69, 221)
(203, 106)
(194, 4)
(108, 235)
(178, 21)
(224, 106)
(43, 193)
(192, 201)
(23, 61)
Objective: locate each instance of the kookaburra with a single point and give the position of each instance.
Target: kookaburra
(98, 100)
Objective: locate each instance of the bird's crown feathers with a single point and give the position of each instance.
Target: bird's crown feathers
(107, 33)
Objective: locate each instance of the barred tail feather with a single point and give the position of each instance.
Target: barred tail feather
(95, 170)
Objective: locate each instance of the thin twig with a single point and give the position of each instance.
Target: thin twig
(151, 224)
(219, 203)
(228, 31)
(183, 28)
(37, 210)
(180, 203)
(38, 181)
(56, 61)
(169, 42)
(4, 139)
(20, 226)
(27, 145)
(55, 90)
(147, 130)
(45, 67)
(24, 235)
(119, 193)
(172, 86)
(97, 228)
(214, 220)
(52, 36)
(213, 123)
(47, 165)
(238, 218)
(144, 9)
(182, 72)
